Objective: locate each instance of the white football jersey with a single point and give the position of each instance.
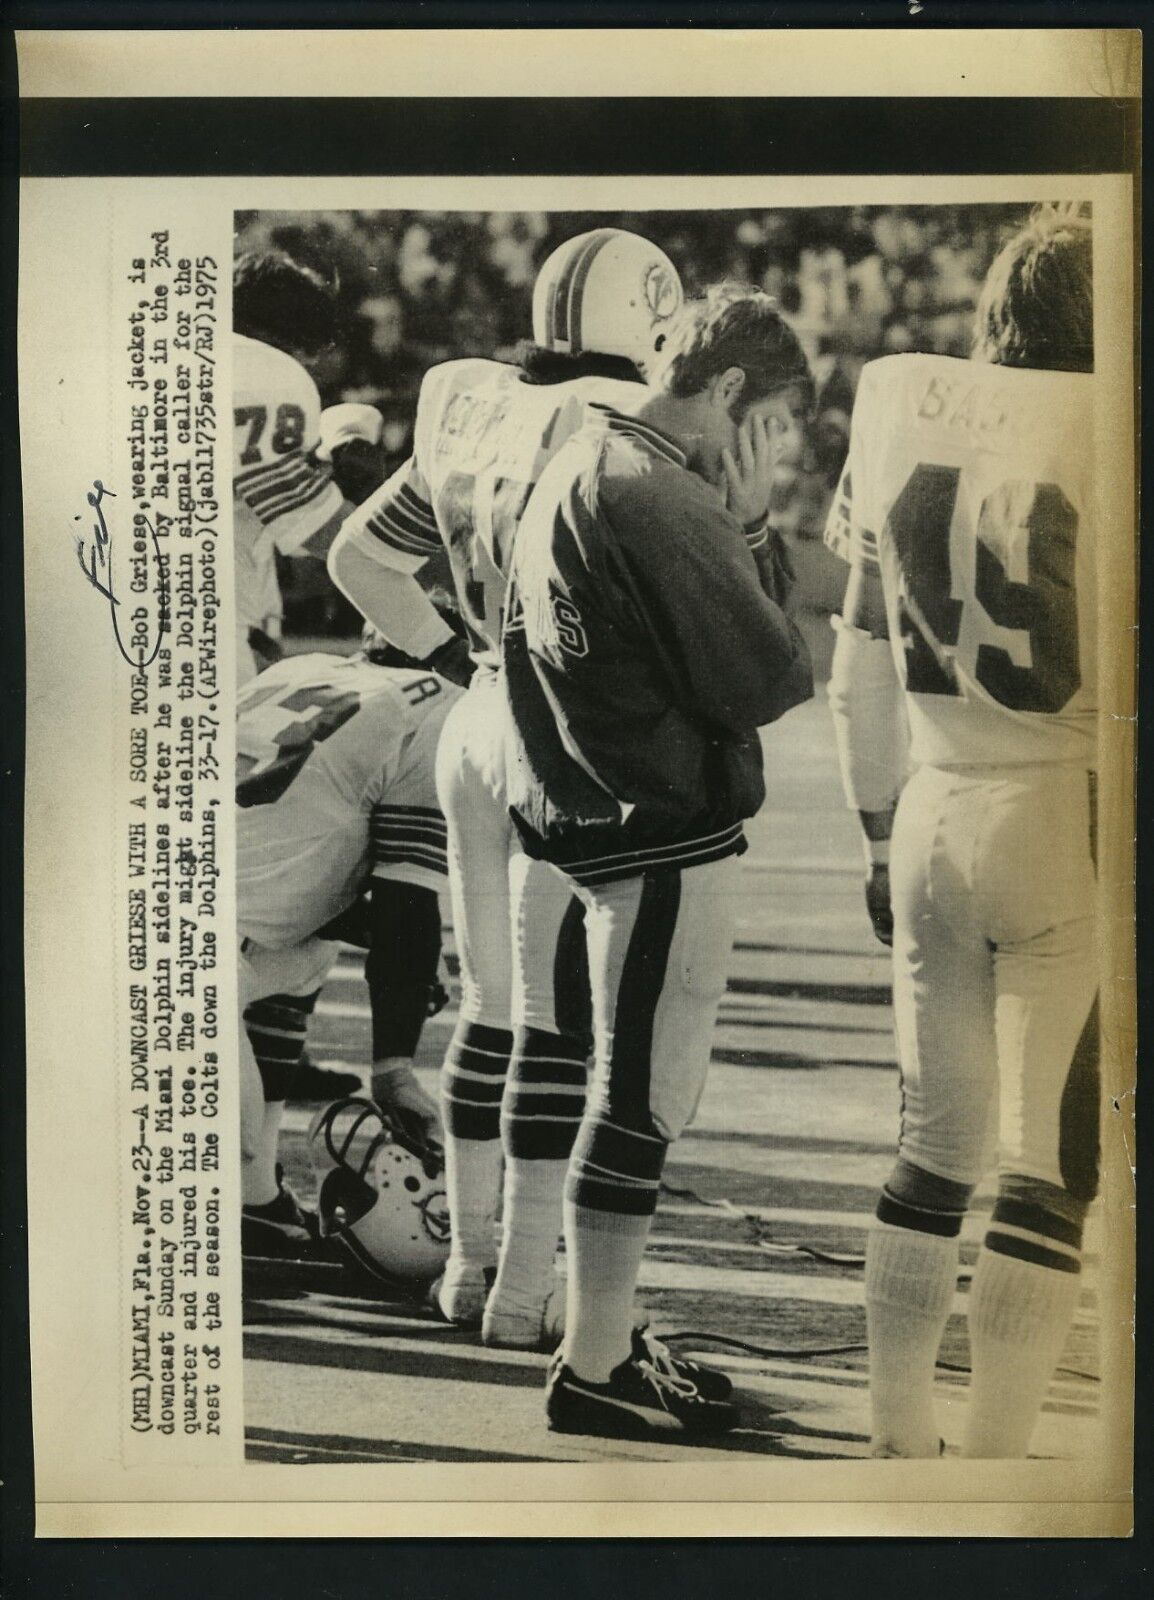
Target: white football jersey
(969, 486)
(335, 784)
(281, 497)
(483, 437)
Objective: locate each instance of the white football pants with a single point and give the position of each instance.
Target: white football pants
(995, 972)
(659, 949)
(507, 909)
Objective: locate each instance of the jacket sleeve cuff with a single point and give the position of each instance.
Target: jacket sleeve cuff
(757, 533)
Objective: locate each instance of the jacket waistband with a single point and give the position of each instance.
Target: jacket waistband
(634, 861)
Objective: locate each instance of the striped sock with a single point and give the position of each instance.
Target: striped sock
(277, 1027)
(540, 1116)
(910, 1278)
(1022, 1298)
(472, 1083)
(610, 1198)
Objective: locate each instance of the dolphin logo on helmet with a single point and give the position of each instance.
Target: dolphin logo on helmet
(382, 1197)
(609, 292)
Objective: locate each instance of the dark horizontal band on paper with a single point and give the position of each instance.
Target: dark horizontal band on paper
(564, 137)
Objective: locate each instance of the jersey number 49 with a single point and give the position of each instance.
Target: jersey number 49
(1044, 608)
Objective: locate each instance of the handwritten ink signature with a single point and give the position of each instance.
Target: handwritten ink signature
(95, 558)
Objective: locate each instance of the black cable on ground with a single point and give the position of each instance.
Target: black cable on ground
(696, 1338)
(759, 1229)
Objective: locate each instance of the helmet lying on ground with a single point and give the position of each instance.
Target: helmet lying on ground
(381, 1195)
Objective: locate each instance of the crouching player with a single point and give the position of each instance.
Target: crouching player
(965, 512)
(335, 789)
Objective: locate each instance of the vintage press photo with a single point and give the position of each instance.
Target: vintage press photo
(504, 616)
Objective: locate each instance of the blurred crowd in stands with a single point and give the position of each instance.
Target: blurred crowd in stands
(421, 287)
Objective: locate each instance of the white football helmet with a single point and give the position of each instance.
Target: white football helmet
(609, 292)
(381, 1196)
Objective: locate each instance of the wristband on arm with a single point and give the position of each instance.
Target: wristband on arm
(757, 532)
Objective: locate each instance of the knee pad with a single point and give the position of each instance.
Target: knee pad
(473, 1080)
(545, 1101)
(1037, 1221)
(615, 1169)
(920, 1200)
(276, 1028)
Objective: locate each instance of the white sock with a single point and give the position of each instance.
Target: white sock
(473, 1188)
(604, 1251)
(1019, 1316)
(531, 1227)
(910, 1280)
(258, 1173)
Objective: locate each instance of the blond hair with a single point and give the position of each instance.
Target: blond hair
(1036, 308)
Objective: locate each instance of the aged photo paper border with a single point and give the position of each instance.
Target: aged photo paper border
(75, 238)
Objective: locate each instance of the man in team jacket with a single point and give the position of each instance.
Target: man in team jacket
(643, 651)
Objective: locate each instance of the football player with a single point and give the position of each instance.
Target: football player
(968, 631)
(335, 791)
(284, 496)
(641, 655)
(484, 432)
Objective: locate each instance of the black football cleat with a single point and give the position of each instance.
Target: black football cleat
(714, 1385)
(281, 1228)
(641, 1398)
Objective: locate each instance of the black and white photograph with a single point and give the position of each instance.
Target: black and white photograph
(666, 680)
(580, 587)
